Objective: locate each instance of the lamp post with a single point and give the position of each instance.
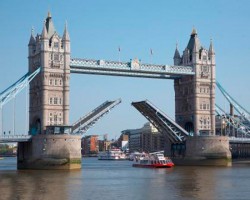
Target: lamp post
(222, 132)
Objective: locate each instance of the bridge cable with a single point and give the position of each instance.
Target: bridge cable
(1, 120)
(14, 114)
(26, 111)
(242, 111)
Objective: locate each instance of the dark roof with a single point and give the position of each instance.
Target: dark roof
(50, 26)
(194, 40)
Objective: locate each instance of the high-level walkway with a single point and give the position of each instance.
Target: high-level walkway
(131, 69)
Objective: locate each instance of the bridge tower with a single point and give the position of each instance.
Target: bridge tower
(49, 105)
(49, 91)
(195, 95)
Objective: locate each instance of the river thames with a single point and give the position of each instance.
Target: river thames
(108, 180)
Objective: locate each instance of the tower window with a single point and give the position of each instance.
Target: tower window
(60, 101)
(56, 57)
(50, 81)
(56, 45)
(50, 100)
(60, 82)
(55, 100)
(55, 81)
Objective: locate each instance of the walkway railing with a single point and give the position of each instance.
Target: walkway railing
(132, 69)
(14, 138)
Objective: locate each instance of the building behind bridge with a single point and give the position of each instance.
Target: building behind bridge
(147, 139)
(92, 144)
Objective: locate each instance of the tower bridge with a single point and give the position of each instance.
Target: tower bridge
(194, 78)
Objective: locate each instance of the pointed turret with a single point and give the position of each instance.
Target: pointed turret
(177, 53)
(44, 32)
(211, 52)
(66, 33)
(32, 38)
(50, 26)
(177, 57)
(211, 48)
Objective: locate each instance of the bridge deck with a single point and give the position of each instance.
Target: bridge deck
(161, 121)
(14, 138)
(131, 69)
(84, 123)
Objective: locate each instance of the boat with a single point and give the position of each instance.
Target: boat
(134, 155)
(112, 154)
(153, 160)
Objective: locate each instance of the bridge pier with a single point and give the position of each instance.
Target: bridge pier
(50, 152)
(203, 150)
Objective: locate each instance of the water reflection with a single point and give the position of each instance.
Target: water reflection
(35, 184)
(108, 180)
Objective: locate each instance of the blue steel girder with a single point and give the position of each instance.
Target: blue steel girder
(232, 121)
(17, 87)
(131, 69)
(240, 109)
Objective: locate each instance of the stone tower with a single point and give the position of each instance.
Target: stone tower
(195, 95)
(49, 91)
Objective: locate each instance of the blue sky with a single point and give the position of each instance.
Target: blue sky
(96, 30)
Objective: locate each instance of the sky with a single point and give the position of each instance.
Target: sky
(97, 28)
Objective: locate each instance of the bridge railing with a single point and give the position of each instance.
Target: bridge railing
(133, 65)
(15, 138)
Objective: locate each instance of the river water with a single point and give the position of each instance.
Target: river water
(118, 180)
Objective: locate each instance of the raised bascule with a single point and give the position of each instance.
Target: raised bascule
(53, 143)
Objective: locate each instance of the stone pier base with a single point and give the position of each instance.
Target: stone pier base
(50, 152)
(205, 150)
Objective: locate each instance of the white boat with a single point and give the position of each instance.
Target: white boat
(135, 155)
(112, 154)
(153, 160)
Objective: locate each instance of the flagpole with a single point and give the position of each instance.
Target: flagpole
(119, 52)
(151, 56)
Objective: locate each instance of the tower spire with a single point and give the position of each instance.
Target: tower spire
(44, 32)
(66, 33)
(177, 53)
(32, 38)
(50, 26)
(49, 14)
(194, 31)
(211, 47)
(194, 42)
